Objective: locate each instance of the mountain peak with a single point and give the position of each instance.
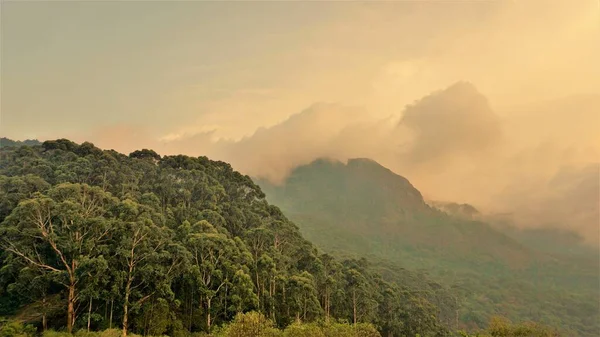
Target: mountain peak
(359, 188)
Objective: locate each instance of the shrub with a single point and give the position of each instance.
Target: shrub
(252, 324)
(85, 333)
(303, 330)
(16, 329)
(110, 333)
(365, 330)
(347, 330)
(52, 333)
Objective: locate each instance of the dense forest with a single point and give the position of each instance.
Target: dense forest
(6, 142)
(93, 239)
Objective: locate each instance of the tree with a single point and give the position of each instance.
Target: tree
(61, 233)
(356, 288)
(141, 252)
(502, 327)
(302, 296)
(215, 261)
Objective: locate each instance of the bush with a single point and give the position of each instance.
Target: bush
(16, 329)
(110, 333)
(303, 330)
(52, 333)
(252, 324)
(366, 330)
(347, 330)
(85, 333)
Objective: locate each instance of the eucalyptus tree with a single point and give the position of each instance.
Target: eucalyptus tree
(62, 233)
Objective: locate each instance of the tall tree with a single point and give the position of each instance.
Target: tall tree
(143, 258)
(61, 233)
(215, 259)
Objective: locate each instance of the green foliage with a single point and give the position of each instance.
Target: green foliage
(16, 329)
(5, 142)
(303, 330)
(85, 333)
(346, 330)
(502, 327)
(52, 333)
(252, 324)
(171, 245)
(110, 333)
(331, 329)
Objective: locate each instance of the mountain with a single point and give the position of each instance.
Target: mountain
(361, 208)
(385, 214)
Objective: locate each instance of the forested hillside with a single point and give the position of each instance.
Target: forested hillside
(95, 239)
(5, 142)
(363, 209)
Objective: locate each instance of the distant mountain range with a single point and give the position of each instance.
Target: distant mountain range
(361, 208)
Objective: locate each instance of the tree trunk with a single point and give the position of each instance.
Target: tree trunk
(126, 307)
(112, 302)
(305, 306)
(191, 310)
(71, 306)
(44, 321)
(257, 288)
(273, 302)
(208, 300)
(354, 304)
(225, 306)
(89, 315)
(151, 312)
(145, 324)
(327, 304)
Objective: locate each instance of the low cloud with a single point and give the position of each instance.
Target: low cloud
(533, 161)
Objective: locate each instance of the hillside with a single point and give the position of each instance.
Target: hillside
(363, 209)
(6, 142)
(174, 245)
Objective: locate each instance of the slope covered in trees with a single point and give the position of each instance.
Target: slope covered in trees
(363, 209)
(6, 142)
(95, 239)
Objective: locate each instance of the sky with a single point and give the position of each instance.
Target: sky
(268, 86)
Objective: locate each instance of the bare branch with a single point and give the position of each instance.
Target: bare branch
(39, 264)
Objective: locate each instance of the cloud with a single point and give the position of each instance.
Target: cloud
(568, 200)
(532, 161)
(272, 152)
(499, 145)
(453, 122)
